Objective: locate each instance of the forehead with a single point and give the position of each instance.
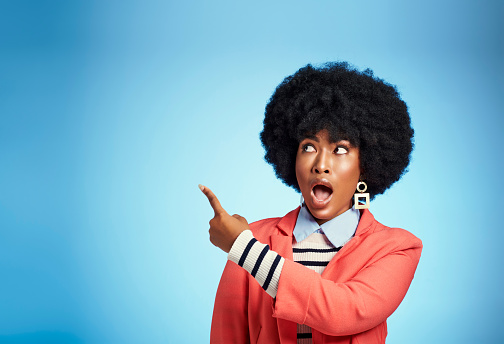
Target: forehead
(325, 135)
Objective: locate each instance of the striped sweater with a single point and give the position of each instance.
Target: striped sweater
(265, 265)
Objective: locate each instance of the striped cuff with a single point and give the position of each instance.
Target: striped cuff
(257, 258)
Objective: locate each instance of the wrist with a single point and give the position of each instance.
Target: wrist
(239, 245)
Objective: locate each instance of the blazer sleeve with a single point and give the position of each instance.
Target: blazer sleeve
(229, 320)
(357, 305)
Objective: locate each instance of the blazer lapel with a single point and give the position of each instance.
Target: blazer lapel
(366, 223)
(282, 244)
(281, 240)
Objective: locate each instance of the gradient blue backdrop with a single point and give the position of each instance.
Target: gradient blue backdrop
(111, 113)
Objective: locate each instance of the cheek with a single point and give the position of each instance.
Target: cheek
(302, 172)
(350, 174)
(299, 168)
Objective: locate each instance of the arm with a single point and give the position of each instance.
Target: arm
(357, 305)
(230, 321)
(230, 315)
(380, 281)
(258, 260)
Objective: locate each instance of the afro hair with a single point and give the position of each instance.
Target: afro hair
(352, 105)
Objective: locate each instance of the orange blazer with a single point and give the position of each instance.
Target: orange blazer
(349, 303)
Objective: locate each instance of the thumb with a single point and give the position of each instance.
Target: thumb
(214, 201)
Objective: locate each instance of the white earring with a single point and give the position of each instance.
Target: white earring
(361, 195)
(301, 200)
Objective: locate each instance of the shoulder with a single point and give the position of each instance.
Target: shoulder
(392, 240)
(375, 240)
(399, 235)
(371, 229)
(376, 243)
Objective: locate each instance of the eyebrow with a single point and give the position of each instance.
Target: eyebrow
(314, 138)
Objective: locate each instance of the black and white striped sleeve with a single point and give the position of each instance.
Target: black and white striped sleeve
(262, 263)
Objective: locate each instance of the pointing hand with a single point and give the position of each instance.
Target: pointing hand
(224, 228)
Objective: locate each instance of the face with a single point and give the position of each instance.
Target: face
(327, 174)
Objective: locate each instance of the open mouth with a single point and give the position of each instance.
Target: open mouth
(321, 193)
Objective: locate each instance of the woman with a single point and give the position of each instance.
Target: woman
(327, 272)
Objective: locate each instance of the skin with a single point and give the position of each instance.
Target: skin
(334, 163)
(224, 228)
(318, 160)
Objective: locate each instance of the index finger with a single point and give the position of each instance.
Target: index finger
(214, 202)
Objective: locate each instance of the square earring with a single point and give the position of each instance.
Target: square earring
(361, 197)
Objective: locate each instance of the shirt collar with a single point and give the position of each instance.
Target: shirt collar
(338, 230)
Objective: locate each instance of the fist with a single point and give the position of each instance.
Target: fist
(224, 228)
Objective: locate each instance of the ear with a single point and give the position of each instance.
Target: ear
(362, 173)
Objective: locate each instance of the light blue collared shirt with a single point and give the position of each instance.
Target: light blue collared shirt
(338, 230)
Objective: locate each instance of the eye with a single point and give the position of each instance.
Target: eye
(308, 148)
(341, 150)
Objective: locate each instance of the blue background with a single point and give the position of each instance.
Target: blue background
(111, 113)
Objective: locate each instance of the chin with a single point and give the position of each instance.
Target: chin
(322, 214)
(326, 213)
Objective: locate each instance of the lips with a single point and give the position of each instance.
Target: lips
(321, 192)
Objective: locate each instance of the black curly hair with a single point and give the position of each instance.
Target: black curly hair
(352, 105)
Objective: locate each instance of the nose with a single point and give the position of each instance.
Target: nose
(322, 163)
